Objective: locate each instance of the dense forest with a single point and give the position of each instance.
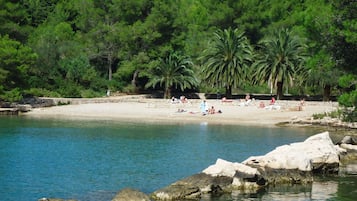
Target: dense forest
(82, 48)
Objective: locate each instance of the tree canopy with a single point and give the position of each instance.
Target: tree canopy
(83, 48)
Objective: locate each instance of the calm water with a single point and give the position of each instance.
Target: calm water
(92, 160)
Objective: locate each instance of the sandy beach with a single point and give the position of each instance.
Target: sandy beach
(163, 111)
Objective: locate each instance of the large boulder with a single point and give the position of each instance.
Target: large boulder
(348, 140)
(222, 177)
(297, 162)
(131, 194)
(244, 177)
(293, 163)
(193, 187)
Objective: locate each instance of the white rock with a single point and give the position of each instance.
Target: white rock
(316, 149)
(349, 147)
(229, 169)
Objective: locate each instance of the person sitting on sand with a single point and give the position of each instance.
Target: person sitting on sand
(261, 104)
(174, 100)
(272, 101)
(225, 100)
(180, 110)
(247, 97)
(183, 99)
(211, 110)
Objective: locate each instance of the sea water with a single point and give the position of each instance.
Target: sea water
(93, 159)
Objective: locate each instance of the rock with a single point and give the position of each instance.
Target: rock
(296, 162)
(244, 177)
(293, 163)
(347, 140)
(54, 199)
(349, 147)
(131, 194)
(350, 154)
(222, 177)
(193, 187)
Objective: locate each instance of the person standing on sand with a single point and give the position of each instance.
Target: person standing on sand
(204, 107)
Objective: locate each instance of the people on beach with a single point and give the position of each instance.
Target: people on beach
(204, 107)
(174, 100)
(225, 100)
(247, 97)
(261, 104)
(272, 101)
(301, 105)
(211, 110)
(246, 101)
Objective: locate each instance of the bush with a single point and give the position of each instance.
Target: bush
(333, 114)
(12, 96)
(91, 94)
(70, 91)
(39, 92)
(349, 103)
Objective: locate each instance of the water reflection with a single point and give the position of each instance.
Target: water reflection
(318, 190)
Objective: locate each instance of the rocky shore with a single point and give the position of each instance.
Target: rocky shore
(297, 163)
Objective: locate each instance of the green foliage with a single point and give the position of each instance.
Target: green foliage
(16, 61)
(12, 96)
(75, 48)
(173, 72)
(348, 100)
(225, 63)
(346, 81)
(280, 58)
(89, 93)
(334, 114)
(41, 92)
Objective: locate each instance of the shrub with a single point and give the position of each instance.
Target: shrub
(12, 96)
(90, 94)
(39, 92)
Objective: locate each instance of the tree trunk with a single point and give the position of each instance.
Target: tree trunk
(279, 90)
(110, 73)
(327, 93)
(133, 81)
(167, 93)
(228, 91)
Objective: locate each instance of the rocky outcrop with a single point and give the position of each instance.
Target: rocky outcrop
(297, 162)
(287, 164)
(348, 140)
(326, 121)
(293, 163)
(54, 199)
(244, 177)
(131, 194)
(192, 187)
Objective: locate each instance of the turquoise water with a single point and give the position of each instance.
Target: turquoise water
(92, 160)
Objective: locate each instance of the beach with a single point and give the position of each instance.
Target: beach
(233, 112)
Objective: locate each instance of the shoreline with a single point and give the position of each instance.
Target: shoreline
(163, 111)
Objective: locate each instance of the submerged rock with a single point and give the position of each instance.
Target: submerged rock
(54, 199)
(131, 194)
(193, 187)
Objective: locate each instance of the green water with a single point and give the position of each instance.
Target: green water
(92, 160)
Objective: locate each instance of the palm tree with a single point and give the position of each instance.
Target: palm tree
(281, 57)
(226, 61)
(172, 72)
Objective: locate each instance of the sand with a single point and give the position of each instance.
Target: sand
(163, 111)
